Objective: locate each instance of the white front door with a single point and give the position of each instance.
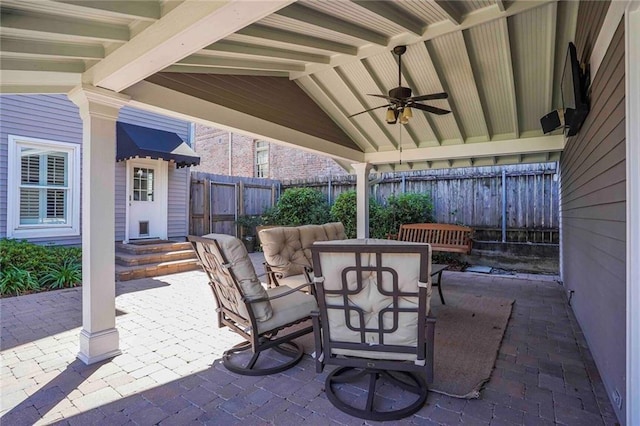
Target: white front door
(147, 198)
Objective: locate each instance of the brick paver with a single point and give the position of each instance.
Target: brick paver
(170, 371)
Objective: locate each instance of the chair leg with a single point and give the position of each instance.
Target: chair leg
(408, 381)
(231, 359)
(439, 285)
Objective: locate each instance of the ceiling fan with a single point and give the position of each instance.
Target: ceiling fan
(400, 100)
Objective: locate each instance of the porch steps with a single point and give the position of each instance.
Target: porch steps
(152, 260)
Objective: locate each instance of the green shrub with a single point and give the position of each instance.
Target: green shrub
(299, 206)
(345, 210)
(66, 274)
(16, 281)
(408, 208)
(22, 262)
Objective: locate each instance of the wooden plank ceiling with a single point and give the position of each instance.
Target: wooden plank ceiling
(500, 62)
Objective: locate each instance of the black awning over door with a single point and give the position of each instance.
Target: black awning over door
(138, 141)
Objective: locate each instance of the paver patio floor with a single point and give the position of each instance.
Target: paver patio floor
(170, 372)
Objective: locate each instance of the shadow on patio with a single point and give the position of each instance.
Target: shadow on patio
(169, 371)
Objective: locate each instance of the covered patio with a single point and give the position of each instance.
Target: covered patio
(170, 371)
(296, 72)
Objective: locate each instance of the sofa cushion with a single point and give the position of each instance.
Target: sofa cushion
(309, 234)
(334, 231)
(283, 250)
(241, 266)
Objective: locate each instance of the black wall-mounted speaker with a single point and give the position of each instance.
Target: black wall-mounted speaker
(551, 121)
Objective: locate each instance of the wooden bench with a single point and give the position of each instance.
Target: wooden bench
(442, 236)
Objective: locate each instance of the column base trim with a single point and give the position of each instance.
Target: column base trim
(96, 347)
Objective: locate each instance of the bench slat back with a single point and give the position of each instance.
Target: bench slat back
(443, 237)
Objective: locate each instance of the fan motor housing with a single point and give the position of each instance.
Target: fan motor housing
(400, 92)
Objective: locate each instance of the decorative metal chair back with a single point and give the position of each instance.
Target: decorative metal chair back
(246, 307)
(373, 298)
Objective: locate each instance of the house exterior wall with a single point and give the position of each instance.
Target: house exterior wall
(50, 117)
(593, 206)
(56, 118)
(284, 162)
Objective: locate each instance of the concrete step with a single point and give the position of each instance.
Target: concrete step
(152, 248)
(125, 273)
(128, 259)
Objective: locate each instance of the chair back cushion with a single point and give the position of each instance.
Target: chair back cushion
(370, 296)
(283, 250)
(288, 249)
(231, 265)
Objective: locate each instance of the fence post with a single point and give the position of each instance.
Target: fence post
(504, 206)
(329, 190)
(403, 187)
(207, 206)
(239, 206)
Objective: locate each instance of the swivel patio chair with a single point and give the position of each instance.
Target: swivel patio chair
(258, 315)
(373, 298)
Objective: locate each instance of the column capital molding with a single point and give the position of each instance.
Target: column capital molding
(362, 167)
(97, 101)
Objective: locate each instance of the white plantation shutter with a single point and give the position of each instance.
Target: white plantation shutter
(56, 169)
(44, 189)
(29, 205)
(30, 169)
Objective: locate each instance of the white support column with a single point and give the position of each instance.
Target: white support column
(362, 197)
(99, 111)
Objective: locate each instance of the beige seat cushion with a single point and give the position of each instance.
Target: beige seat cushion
(371, 300)
(236, 254)
(287, 309)
(334, 231)
(293, 281)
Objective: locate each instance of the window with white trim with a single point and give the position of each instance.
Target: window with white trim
(44, 188)
(262, 159)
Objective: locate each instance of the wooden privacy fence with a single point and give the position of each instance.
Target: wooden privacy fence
(217, 201)
(508, 203)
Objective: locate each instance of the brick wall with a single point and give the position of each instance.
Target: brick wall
(284, 162)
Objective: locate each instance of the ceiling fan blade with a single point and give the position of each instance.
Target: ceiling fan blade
(367, 110)
(442, 95)
(389, 98)
(431, 109)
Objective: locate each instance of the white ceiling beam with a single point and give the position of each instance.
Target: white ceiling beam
(390, 12)
(268, 33)
(334, 110)
(510, 77)
(30, 48)
(481, 149)
(224, 71)
(483, 16)
(384, 128)
(500, 4)
(189, 27)
(20, 81)
(155, 98)
(551, 45)
(15, 24)
(41, 65)
(319, 19)
(208, 61)
(139, 10)
(238, 48)
(446, 7)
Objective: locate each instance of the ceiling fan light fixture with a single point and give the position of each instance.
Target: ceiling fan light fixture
(407, 113)
(391, 116)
